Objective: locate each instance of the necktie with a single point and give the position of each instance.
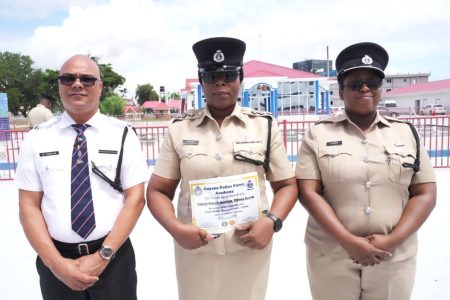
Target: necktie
(82, 213)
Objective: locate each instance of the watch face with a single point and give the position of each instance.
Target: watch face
(278, 225)
(106, 252)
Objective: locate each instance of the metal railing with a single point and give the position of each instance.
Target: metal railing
(433, 131)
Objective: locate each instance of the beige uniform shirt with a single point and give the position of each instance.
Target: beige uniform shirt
(38, 115)
(195, 147)
(363, 177)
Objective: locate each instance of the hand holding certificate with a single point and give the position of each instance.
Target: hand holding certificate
(220, 203)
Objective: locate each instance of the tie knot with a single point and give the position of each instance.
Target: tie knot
(80, 127)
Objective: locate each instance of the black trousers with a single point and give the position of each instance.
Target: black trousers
(117, 282)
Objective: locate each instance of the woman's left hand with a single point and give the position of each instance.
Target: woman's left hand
(256, 235)
(381, 241)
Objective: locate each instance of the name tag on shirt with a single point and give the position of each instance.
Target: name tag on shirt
(334, 143)
(51, 153)
(108, 151)
(190, 142)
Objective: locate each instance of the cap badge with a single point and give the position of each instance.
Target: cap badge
(218, 56)
(367, 60)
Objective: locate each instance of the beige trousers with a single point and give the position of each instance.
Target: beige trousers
(339, 278)
(240, 275)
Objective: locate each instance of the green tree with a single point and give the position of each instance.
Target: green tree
(112, 105)
(20, 81)
(111, 79)
(146, 92)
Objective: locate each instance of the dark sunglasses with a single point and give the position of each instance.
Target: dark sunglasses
(69, 79)
(213, 77)
(356, 85)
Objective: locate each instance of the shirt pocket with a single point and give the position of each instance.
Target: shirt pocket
(334, 163)
(193, 157)
(253, 151)
(51, 165)
(107, 164)
(396, 157)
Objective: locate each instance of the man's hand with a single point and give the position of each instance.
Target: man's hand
(92, 264)
(256, 235)
(68, 271)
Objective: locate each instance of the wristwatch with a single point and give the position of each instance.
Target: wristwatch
(277, 223)
(106, 252)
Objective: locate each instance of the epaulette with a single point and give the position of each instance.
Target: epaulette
(256, 113)
(395, 120)
(189, 116)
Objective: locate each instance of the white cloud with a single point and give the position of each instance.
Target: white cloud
(150, 41)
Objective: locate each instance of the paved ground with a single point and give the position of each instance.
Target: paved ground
(155, 266)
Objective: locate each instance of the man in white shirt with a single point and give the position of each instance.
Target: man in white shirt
(75, 220)
(42, 112)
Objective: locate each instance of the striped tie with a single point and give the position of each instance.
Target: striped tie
(82, 214)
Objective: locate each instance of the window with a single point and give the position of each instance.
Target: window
(389, 80)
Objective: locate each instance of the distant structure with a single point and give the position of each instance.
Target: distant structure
(317, 66)
(390, 82)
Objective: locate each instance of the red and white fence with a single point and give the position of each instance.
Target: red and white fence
(433, 131)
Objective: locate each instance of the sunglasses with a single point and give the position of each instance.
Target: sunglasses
(356, 85)
(213, 77)
(69, 79)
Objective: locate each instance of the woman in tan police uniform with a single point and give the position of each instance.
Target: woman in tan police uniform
(366, 189)
(215, 143)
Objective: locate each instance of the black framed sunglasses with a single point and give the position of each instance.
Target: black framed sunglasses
(356, 85)
(69, 79)
(213, 77)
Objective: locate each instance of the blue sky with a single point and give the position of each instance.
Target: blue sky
(150, 41)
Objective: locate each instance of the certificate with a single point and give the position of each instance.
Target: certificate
(220, 203)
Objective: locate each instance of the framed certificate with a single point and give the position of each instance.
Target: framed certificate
(220, 203)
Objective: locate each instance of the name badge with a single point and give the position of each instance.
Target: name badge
(51, 153)
(108, 151)
(190, 142)
(334, 143)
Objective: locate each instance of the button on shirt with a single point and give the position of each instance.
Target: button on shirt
(360, 170)
(45, 166)
(192, 150)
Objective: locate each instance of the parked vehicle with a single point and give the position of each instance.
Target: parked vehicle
(433, 109)
(388, 111)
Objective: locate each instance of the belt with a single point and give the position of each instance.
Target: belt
(78, 249)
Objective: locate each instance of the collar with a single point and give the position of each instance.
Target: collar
(344, 117)
(236, 113)
(95, 121)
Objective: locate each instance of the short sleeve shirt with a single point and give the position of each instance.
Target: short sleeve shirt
(197, 148)
(45, 165)
(363, 178)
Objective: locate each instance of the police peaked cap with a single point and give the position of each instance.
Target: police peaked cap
(219, 54)
(48, 97)
(362, 55)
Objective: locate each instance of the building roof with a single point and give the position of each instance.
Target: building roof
(174, 104)
(419, 88)
(155, 105)
(130, 109)
(255, 68)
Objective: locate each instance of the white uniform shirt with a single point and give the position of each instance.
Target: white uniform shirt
(45, 165)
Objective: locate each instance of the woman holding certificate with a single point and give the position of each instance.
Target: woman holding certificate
(221, 156)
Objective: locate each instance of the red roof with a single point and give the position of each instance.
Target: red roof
(421, 87)
(155, 105)
(174, 104)
(130, 109)
(256, 68)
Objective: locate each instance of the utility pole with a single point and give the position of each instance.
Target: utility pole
(328, 66)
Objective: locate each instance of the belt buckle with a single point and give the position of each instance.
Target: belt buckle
(83, 249)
